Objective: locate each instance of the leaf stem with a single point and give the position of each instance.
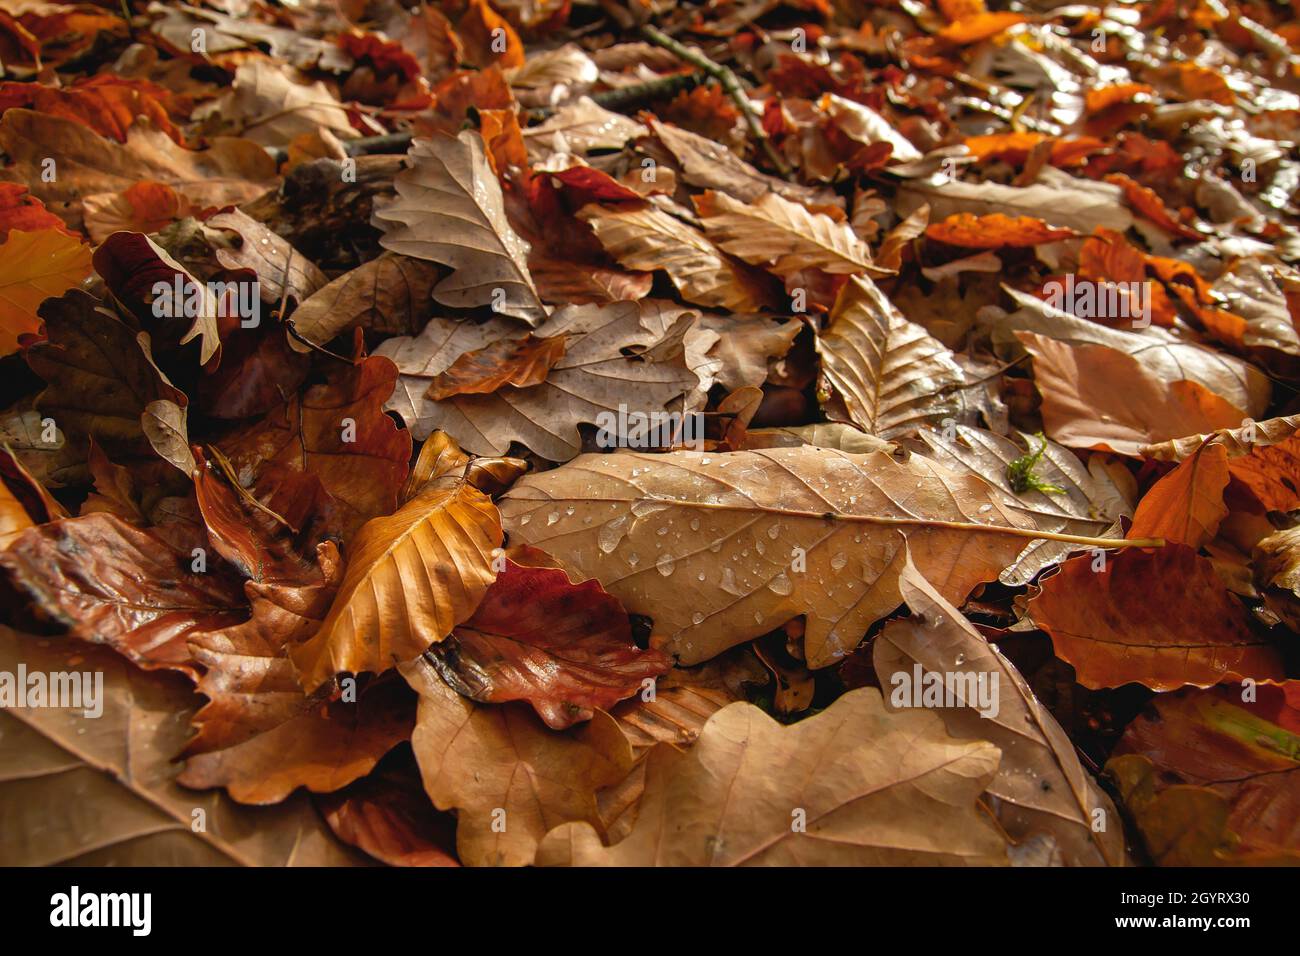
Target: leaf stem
(1086, 541)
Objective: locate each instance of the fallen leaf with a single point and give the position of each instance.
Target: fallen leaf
(775, 533)
(628, 354)
(783, 236)
(449, 209)
(509, 779)
(565, 648)
(868, 787)
(443, 538)
(1186, 506)
(1160, 618)
(891, 375)
(59, 764)
(38, 265)
(1040, 786)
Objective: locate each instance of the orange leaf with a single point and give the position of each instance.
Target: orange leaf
(489, 37)
(1146, 203)
(1272, 474)
(516, 362)
(1099, 397)
(981, 26)
(145, 207)
(1186, 505)
(33, 267)
(1104, 97)
(995, 231)
(106, 104)
(19, 210)
(1161, 618)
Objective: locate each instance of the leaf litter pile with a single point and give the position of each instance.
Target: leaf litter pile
(583, 433)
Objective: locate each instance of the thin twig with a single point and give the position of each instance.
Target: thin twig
(730, 85)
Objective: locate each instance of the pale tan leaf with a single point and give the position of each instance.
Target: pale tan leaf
(103, 792)
(1085, 506)
(509, 778)
(389, 294)
(874, 789)
(783, 236)
(597, 374)
(708, 544)
(710, 165)
(1040, 785)
(581, 127)
(891, 374)
(1238, 441)
(650, 238)
(271, 104)
(449, 209)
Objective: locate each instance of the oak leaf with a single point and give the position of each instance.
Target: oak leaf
(875, 789)
(449, 209)
(722, 548)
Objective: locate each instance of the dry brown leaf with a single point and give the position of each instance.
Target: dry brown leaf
(651, 239)
(1098, 397)
(628, 353)
(1238, 441)
(230, 171)
(271, 104)
(508, 777)
(411, 577)
(505, 363)
(872, 788)
(783, 236)
(580, 127)
(708, 165)
(449, 209)
(59, 766)
(1164, 356)
(709, 545)
(1040, 787)
(1160, 618)
(891, 375)
(389, 294)
(1087, 503)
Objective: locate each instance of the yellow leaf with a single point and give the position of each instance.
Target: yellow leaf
(411, 577)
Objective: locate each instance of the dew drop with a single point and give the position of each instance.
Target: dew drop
(781, 584)
(665, 564)
(611, 534)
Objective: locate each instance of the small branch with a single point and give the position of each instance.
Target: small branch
(729, 83)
